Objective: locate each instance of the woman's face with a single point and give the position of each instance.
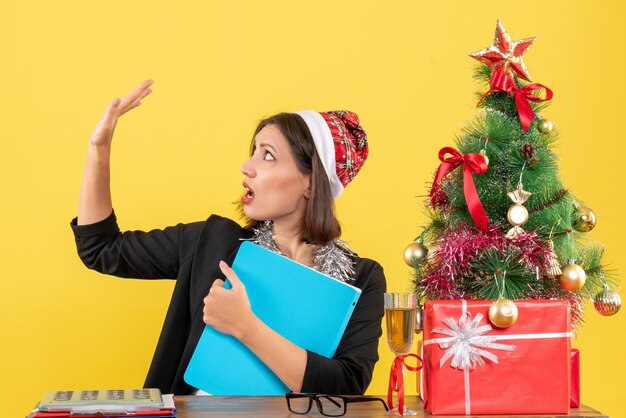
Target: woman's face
(275, 188)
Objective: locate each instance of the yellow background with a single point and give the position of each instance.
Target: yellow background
(221, 66)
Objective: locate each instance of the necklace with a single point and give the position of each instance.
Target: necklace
(333, 259)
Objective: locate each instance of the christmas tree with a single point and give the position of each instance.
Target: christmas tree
(503, 225)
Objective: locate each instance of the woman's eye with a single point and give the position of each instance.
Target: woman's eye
(268, 156)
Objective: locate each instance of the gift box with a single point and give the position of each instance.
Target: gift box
(574, 376)
(575, 388)
(473, 367)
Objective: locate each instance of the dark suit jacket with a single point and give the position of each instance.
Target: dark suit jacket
(190, 253)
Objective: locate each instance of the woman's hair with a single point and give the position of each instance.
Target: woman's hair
(319, 224)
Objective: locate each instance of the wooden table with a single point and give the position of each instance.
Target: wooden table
(276, 407)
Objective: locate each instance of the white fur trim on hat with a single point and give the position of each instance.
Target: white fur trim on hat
(325, 147)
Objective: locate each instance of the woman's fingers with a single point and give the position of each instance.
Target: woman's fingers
(231, 276)
(132, 106)
(137, 102)
(103, 132)
(145, 93)
(131, 100)
(141, 95)
(139, 91)
(227, 310)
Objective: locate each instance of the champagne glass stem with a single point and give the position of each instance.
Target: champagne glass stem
(395, 411)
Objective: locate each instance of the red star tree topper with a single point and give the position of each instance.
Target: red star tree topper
(506, 55)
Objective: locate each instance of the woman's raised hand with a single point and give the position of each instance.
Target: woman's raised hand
(95, 202)
(103, 133)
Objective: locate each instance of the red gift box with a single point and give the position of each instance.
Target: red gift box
(575, 388)
(473, 367)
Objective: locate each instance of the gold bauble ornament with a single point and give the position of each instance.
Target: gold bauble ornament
(583, 219)
(607, 302)
(414, 252)
(503, 313)
(483, 152)
(573, 276)
(545, 126)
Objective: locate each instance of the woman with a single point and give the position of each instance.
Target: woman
(299, 164)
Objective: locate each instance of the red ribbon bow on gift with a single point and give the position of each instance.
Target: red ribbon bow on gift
(504, 82)
(472, 164)
(396, 379)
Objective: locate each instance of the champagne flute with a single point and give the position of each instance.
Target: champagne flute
(400, 311)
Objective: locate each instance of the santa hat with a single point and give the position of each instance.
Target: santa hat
(341, 144)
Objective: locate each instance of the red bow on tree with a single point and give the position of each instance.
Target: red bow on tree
(472, 164)
(504, 82)
(396, 379)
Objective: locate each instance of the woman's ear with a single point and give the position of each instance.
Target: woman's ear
(307, 184)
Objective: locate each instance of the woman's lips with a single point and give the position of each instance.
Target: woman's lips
(248, 195)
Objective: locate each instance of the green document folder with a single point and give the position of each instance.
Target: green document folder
(303, 305)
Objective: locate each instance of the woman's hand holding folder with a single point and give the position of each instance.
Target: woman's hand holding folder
(228, 310)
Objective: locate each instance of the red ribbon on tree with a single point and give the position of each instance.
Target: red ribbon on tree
(504, 82)
(396, 379)
(472, 164)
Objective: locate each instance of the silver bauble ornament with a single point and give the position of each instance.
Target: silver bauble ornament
(607, 302)
(503, 313)
(414, 252)
(583, 219)
(573, 276)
